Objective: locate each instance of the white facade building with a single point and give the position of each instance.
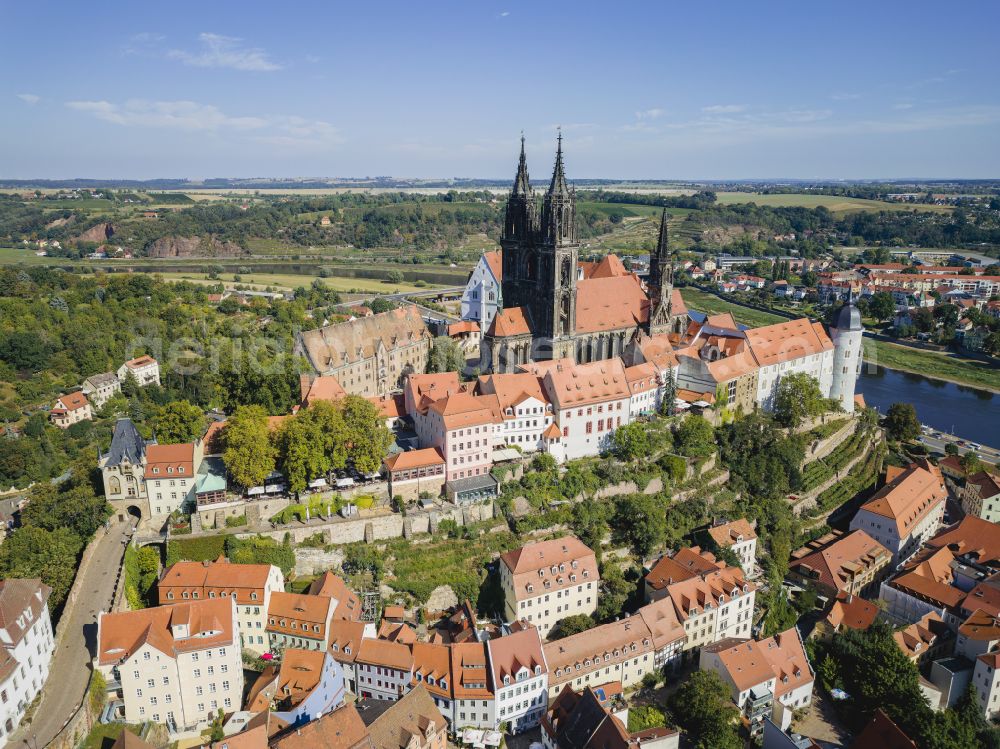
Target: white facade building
(27, 644)
(174, 665)
(145, 369)
(482, 296)
(520, 678)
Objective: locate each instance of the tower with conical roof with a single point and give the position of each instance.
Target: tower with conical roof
(661, 282)
(848, 339)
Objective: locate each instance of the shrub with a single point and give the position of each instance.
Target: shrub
(236, 521)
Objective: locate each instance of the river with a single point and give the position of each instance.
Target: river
(957, 409)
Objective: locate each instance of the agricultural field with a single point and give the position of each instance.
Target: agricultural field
(835, 203)
(711, 304)
(290, 281)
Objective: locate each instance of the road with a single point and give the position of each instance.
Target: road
(936, 441)
(69, 672)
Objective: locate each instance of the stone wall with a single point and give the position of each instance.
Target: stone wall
(256, 511)
(381, 527)
(821, 448)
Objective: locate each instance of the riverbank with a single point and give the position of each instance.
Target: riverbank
(947, 367)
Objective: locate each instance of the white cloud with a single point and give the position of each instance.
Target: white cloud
(902, 105)
(505, 14)
(31, 99)
(174, 115)
(724, 109)
(650, 114)
(190, 116)
(218, 51)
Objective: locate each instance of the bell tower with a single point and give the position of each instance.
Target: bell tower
(520, 227)
(558, 254)
(661, 282)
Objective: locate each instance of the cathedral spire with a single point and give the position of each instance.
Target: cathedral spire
(662, 242)
(558, 184)
(522, 184)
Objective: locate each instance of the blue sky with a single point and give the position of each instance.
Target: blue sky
(663, 90)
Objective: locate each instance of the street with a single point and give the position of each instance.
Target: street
(69, 671)
(936, 441)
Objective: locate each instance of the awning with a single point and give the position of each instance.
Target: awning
(702, 404)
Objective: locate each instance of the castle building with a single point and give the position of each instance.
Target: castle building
(550, 307)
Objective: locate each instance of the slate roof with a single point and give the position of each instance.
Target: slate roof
(127, 445)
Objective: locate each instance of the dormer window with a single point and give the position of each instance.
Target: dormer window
(506, 679)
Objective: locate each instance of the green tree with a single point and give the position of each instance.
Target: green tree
(571, 625)
(951, 449)
(798, 398)
(643, 717)
(695, 437)
(394, 276)
(616, 590)
(249, 454)
(36, 552)
(668, 404)
(704, 708)
(640, 521)
(901, 422)
(881, 306)
(445, 356)
(971, 462)
(130, 385)
(630, 442)
(178, 421)
(365, 433)
(590, 522)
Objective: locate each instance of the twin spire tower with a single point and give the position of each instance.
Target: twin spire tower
(541, 250)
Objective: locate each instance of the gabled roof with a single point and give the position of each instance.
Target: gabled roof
(580, 721)
(545, 554)
(340, 729)
(346, 342)
(324, 388)
(170, 461)
(414, 715)
(427, 456)
(508, 655)
(882, 733)
(909, 497)
(785, 341)
(21, 604)
(610, 266)
(494, 261)
(781, 658)
(569, 385)
(384, 653)
(921, 635)
(512, 389)
(209, 623)
(972, 536)
(852, 612)
(841, 559)
(465, 409)
(509, 322)
(74, 401)
(127, 445)
(609, 303)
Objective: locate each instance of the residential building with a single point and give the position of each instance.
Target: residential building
(340, 729)
(296, 620)
(519, 678)
(145, 369)
(304, 686)
(645, 390)
(464, 428)
(846, 611)
(546, 581)
(986, 682)
(882, 733)
(171, 477)
(589, 401)
(666, 630)
(741, 538)
(768, 678)
(100, 388)
(432, 670)
(123, 471)
(712, 600)
(71, 409)
(954, 574)
(415, 472)
(384, 669)
(525, 409)
(618, 651)
(176, 665)
(977, 635)
(906, 511)
(369, 356)
(26, 646)
(927, 639)
(796, 346)
(250, 585)
(716, 358)
(835, 563)
(981, 496)
(581, 720)
(474, 703)
(412, 722)
(345, 641)
(483, 295)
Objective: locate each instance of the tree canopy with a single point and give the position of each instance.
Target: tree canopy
(249, 455)
(901, 422)
(177, 422)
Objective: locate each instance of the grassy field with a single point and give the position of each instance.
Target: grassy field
(291, 281)
(947, 366)
(835, 203)
(711, 304)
